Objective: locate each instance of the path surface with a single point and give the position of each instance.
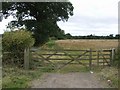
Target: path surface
(69, 80)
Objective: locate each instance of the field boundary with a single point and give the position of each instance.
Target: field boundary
(101, 57)
(94, 57)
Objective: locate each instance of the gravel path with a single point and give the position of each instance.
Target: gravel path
(69, 80)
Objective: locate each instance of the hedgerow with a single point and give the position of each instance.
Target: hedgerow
(14, 43)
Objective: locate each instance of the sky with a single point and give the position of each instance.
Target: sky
(96, 17)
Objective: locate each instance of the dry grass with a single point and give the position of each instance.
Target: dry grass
(111, 74)
(108, 74)
(82, 44)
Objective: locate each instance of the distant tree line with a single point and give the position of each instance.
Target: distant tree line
(62, 35)
(111, 36)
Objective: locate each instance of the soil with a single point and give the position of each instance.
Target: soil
(68, 80)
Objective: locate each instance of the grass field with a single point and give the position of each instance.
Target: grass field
(94, 44)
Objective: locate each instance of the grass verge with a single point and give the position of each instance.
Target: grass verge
(109, 75)
(14, 77)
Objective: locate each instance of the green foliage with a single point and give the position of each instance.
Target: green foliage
(15, 42)
(69, 36)
(43, 31)
(16, 78)
(39, 10)
(19, 78)
(42, 17)
(51, 44)
(58, 34)
(15, 81)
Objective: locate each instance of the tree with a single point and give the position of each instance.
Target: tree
(68, 36)
(117, 36)
(39, 17)
(111, 36)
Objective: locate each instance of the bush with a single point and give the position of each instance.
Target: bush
(15, 42)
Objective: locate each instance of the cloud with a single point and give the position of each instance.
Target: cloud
(98, 17)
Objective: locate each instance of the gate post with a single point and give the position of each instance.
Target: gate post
(90, 58)
(112, 55)
(26, 58)
(98, 57)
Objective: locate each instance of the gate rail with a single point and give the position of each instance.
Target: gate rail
(100, 57)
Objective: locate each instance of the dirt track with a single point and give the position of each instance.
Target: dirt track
(69, 80)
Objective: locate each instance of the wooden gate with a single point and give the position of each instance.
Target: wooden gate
(87, 58)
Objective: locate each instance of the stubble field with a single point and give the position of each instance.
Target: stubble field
(86, 44)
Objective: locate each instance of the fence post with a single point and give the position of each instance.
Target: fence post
(112, 55)
(97, 57)
(26, 58)
(90, 58)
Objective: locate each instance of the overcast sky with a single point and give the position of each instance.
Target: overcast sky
(98, 17)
